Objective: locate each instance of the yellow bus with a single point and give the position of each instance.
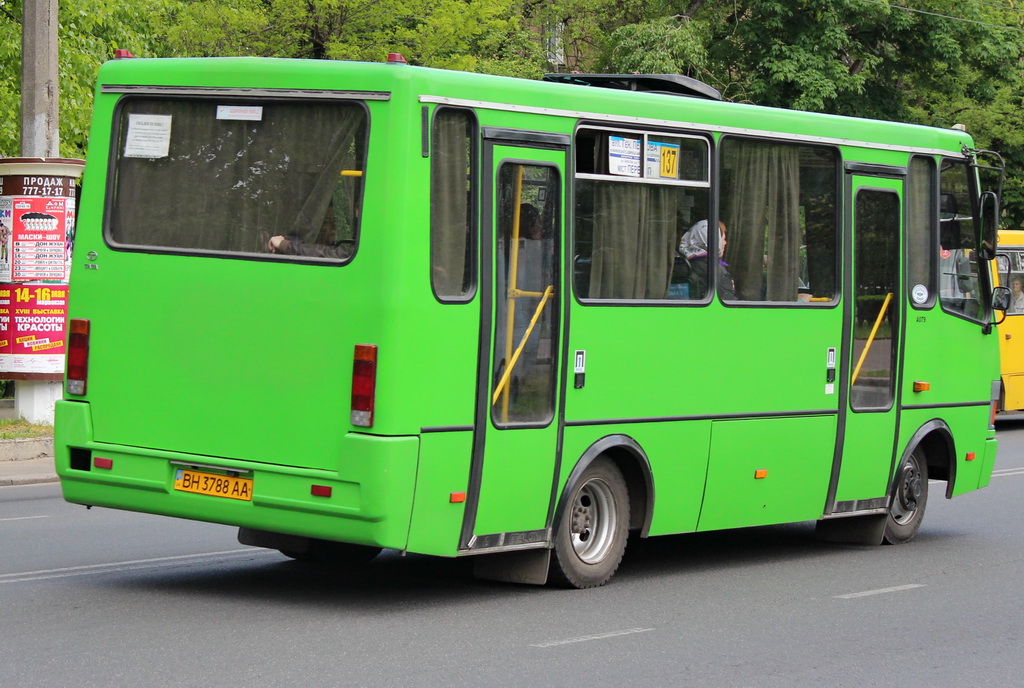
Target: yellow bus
(1010, 266)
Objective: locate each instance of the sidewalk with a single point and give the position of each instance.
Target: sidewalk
(25, 461)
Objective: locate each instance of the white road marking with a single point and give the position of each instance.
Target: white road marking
(1002, 472)
(880, 591)
(23, 518)
(586, 638)
(112, 567)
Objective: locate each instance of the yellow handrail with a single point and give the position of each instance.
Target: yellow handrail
(503, 382)
(871, 337)
(513, 287)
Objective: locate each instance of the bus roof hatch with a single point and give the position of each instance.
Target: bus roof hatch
(671, 84)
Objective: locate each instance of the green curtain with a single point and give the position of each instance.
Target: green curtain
(634, 240)
(450, 204)
(761, 211)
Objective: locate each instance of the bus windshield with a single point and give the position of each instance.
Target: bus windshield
(272, 169)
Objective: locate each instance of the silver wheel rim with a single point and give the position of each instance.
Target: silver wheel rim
(593, 521)
(909, 488)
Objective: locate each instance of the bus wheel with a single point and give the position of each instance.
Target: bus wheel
(908, 501)
(327, 552)
(591, 536)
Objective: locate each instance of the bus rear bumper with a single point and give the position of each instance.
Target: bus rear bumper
(368, 501)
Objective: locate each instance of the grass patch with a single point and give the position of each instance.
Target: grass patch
(11, 429)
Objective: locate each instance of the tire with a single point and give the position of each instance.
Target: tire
(909, 499)
(591, 535)
(327, 552)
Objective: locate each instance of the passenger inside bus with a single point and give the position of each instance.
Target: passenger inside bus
(291, 245)
(296, 247)
(1017, 303)
(694, 250)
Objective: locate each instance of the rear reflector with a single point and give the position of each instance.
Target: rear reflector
(78, 356)
(320, 490)
(100, 462)
(364, 384)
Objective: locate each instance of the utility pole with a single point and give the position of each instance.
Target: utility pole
(40, 136)
(38, 387)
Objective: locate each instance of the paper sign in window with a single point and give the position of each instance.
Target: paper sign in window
(251, 113)
(624, 156)
(662, 160)
(149, 136)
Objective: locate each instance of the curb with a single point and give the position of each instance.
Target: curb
(28, 480)
(25, 448)
(26, 461)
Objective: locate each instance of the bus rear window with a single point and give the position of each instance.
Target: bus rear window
(213, 176)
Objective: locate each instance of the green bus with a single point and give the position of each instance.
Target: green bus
(353, 306)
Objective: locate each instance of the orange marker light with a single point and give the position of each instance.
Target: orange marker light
(970, 456)
(457, 497)
(760, 473)
(922, 386)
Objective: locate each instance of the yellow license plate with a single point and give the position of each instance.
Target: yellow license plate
(227, 486)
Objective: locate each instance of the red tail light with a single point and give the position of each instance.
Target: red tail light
(78, 355)
(364, 384)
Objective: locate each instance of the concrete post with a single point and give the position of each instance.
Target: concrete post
(40, 136)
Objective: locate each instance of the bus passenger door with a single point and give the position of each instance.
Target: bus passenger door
(874, 316)
(517, 420)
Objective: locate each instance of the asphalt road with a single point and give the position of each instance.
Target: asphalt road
(105, 598)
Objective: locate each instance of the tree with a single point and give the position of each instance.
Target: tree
(89, 31)
(471, 35)
(938, 63)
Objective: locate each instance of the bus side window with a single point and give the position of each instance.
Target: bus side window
(1010, 265)
(922, 253)
(636, 193)
(779, 201)
(452, 175)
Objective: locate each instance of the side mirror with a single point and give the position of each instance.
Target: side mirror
(1001, 299)
(989, 225)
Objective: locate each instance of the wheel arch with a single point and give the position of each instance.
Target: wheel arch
(630, 458)
(936, 439)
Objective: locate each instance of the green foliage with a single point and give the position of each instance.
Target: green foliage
(577, 34)
(671, 45)
(213, 28)
(10, 77)
(470, 35)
